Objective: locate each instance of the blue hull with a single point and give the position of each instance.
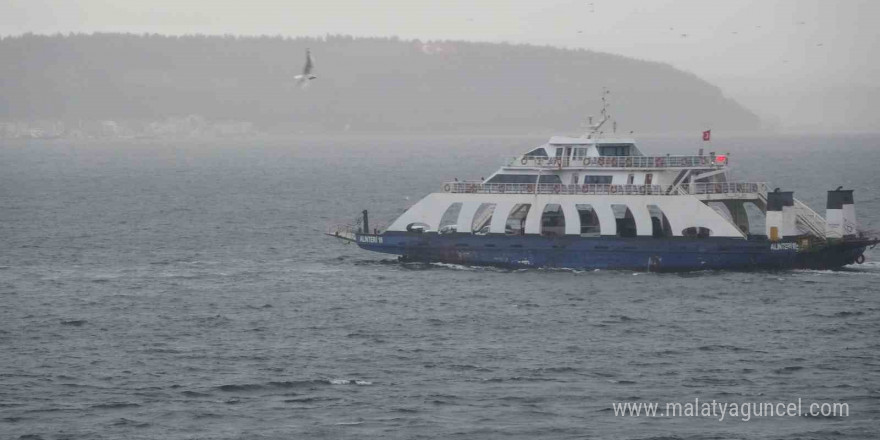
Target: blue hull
(637, 253)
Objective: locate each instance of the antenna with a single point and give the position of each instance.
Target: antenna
(594, 128)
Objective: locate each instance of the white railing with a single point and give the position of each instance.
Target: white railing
(623, 161)
(731, 188)
(550, 188)
(725, 188)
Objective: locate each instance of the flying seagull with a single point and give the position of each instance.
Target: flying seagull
(303, 80)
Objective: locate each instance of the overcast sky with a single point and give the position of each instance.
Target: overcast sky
(777, 57)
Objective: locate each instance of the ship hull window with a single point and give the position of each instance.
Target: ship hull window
(660, 227)
(626, 223)
(552, 220)
(450, 219)
(589, 221)
(483, 218)
(516, 220)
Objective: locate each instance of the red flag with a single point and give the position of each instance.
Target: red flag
(707, 135)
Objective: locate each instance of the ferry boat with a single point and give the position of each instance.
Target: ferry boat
(592, 202)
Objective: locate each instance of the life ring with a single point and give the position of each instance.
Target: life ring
(587, 161)
(446, 188)
(585, 188)
(658, 161)
(613, 189)
(524, 161)
(557, 188)
(860, 259)
(718, 188)
(539, 161)
(530, 188)
(629, 162)
(601, 161)
(471, 188)
(614, 161)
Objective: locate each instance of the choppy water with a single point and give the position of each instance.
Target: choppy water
(183, 290)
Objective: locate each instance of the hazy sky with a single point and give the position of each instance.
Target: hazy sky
(777, 57)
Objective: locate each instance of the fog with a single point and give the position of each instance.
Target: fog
(800, 65)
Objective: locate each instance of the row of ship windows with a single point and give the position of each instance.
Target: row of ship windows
(604, 150)
(532, 178)
(553, 221)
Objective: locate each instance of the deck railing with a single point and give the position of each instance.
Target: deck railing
(731, 188)
(622, 161)
(725, 188)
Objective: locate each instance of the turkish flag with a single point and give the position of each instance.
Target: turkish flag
(707, 135)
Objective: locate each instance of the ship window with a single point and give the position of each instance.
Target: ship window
(580, 153)
(696, 232)
(550, 178)
(626, 223)
(659, 223)
(559, 152)
(513, 178)
(649, 178)
(516, 221)
(483, 218)
(630, 179)
(552, 220)
(597, 179)
(537, 152)
(450, 218)
(589, 221)
(614, 150)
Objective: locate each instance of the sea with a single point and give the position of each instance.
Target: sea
(184, 289)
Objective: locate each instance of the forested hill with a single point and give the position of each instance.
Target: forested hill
(364, 84)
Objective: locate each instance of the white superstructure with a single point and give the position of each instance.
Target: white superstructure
(596, 186)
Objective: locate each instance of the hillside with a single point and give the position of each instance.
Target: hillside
(364, 84)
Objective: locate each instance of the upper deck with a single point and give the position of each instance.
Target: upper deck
(621, 162)
(587, 153)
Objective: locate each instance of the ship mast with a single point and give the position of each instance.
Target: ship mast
(594, 128)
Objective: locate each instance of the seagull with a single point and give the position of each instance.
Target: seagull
(303, 80)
